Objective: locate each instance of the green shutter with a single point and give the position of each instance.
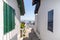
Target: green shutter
(5, 19)
(13, 19)
(9, 18)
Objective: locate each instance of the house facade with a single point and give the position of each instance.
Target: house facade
(11, 11)
(47, 20)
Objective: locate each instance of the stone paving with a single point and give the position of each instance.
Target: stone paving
(31, 35)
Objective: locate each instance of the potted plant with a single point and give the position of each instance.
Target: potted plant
(22, 26)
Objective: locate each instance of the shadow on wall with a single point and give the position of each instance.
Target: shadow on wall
(32, 36)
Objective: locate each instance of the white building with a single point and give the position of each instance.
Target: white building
(10, 11)
(47, 20)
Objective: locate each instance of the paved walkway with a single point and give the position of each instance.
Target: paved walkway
(30, 35)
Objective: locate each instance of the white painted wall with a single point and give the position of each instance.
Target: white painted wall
(1, 20)
(36, 27)
(36, 17)
(11, 34)
(47, 5)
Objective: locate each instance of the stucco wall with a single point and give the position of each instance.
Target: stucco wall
(1, 19)
(36, 17)
(14, 38)
(36, 27)
(11, 34)
(47, 5)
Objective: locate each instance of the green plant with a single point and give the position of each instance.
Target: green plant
(22, 25)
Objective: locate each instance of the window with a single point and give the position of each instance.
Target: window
(50, 20)
(9, 18)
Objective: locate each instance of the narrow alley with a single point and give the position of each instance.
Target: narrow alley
(31, 35)
(29, 19)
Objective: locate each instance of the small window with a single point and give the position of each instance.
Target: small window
(50, 20)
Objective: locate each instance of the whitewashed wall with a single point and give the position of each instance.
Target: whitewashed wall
(11, 34)
(1, 19)
(36, 27)
(47, 5)
(36, 17)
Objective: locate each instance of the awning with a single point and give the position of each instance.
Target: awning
(21, 7)
(37, 3)
(37, 8)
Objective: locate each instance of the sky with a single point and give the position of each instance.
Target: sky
(29, 11)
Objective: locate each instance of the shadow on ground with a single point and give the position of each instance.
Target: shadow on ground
(32, 36)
